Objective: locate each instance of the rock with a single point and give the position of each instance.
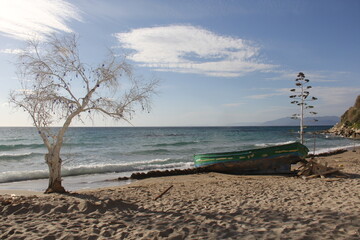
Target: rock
(164, 173)
(349, 126)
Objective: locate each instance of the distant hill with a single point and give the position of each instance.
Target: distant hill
(309, 121)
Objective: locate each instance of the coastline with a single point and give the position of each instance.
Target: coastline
(199, 206)
(99, 180)
(89, 158)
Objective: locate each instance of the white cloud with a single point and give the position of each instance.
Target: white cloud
(332, 96)
(189, 49)
(271, 93)
(263, 96)
(5, 104)
(11, 51)
(313, 76)
(23, 19)
(326, 95)
(233, 104)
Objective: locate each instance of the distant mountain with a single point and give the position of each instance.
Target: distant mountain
(309, 121)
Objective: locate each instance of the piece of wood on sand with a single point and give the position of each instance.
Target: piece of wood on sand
(312, 169)
(159, 196)
(322, 174)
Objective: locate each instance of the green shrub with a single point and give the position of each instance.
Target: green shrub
(356, 125)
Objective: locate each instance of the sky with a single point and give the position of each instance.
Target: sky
(219, 62)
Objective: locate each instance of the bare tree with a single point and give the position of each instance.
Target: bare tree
(58, 87)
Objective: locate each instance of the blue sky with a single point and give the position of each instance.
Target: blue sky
(220, 62)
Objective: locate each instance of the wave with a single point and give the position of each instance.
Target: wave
(176, 144)
(145, 152)
(16, 156)
(20, 146)
(14, 176)
(272, 144)
(325, 150)
(13, 139)
(164, 135)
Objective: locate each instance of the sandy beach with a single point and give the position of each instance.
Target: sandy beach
(200, 206)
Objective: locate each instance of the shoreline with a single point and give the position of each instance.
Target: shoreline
(97, 180)
(198, 206)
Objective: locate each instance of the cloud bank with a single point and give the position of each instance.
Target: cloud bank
(190, 49)
(24, 19)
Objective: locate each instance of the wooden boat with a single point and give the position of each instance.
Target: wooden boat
(276, 159)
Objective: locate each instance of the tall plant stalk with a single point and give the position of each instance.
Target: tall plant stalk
(301, 98)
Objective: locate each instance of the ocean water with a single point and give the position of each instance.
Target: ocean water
(92, 155)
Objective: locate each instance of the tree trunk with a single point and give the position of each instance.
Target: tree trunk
(54, 163)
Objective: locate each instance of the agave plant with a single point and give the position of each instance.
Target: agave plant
(301, 98)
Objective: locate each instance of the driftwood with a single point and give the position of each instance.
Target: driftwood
(331, 179)
(323, 174)
(312, 169)
(163, 193)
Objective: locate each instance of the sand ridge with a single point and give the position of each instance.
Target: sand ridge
(200, 206)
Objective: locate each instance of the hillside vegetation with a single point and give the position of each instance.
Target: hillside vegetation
(349, 126)
(351, 118)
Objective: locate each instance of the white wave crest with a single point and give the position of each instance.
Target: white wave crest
(16, 154)
(273, 144)
(13, 176)
(325, 150)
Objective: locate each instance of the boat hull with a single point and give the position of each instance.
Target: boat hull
(276, 159)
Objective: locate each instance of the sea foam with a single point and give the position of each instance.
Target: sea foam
(12, 176)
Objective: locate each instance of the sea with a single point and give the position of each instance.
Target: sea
(94, 156)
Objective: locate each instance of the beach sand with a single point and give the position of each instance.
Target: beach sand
(200, 206)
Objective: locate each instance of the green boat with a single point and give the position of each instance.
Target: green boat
(276, 159)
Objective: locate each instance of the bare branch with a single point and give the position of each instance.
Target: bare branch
(52, 74)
